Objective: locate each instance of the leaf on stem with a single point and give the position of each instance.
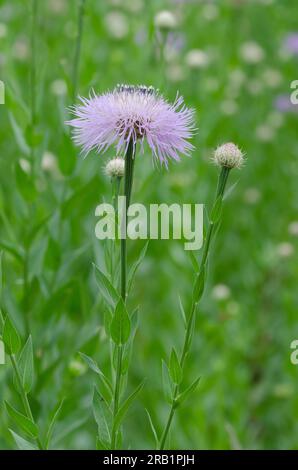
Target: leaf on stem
(124, 408)
(11, 337)
(94, 366)
(26, 365)
(22, 421)
(167, 383)
(135, 267)
(52, 423)
(120, 325)
(186, 393)
(22, 443)
(152, 428)
(106, 288)
(199, 285)
(101, 414)
(175, 368)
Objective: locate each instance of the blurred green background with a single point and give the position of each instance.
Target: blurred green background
(233, 61)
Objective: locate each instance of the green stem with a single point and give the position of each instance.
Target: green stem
(128, 180)
(222, 180)
(23, 394)
(76, 62)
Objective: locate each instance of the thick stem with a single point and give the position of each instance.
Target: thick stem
(222, 181)
(76, 62)
(128, 180)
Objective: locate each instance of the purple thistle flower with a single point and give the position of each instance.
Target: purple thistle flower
(134, 113)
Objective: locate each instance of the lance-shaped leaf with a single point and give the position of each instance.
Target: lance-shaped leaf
(124, 408)
(135, 267)
(175, 368)
(26, 365)
(199, 284)
(167, 383)
(120, 325)
(22, 443)
(11, 337)
(101, 414)
(186, 393)
(107, 290)
(22, 421)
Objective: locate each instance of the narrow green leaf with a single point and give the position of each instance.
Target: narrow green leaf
(182, 311)
(25, 184)
(101, 413)
(135, 266)
(11, 337)
(194, 261)
(124, 408)
(167, 383)
(152, 428)
(19, 136)
(22, 443)
(101, 445)
(26, 365)
(22, 421)
(94, 366)
(186, 393)
(175, 368)
(12, 249)
(199, 285)
(120, 326)
(52, 423)
(216, 211)
(106, 288)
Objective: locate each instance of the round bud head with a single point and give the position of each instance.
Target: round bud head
(165, 20)
(229, 156)
(115, 168)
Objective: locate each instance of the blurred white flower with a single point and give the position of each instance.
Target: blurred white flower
(252, 196)
(293, 228)
(255, 86)
(265, 133)
(25, 165)
(165, 20)
(117, 24)
(251, 52)
(3, 30)
(272, 77)
(285, 249)
(57, 6)
(275, 119)
(196, 59)
(210, 12)
(59, 87)
(115, 168)
(221, 292)
(229, 107)
(175, 73)
(49, 163)
(237, 77)
(21, 49)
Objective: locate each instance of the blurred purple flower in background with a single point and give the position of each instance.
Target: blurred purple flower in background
(134, 113)
(291, 43)
(283, 104)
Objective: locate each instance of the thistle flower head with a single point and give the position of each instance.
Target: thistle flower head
(134, 113)
(229, 156)
(115, 168)
(165, 20)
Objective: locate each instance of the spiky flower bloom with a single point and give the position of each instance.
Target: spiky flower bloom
(115, 167)
(229, 156)
(132, 114)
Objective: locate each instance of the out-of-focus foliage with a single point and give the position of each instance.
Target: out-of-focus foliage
(247, 395)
